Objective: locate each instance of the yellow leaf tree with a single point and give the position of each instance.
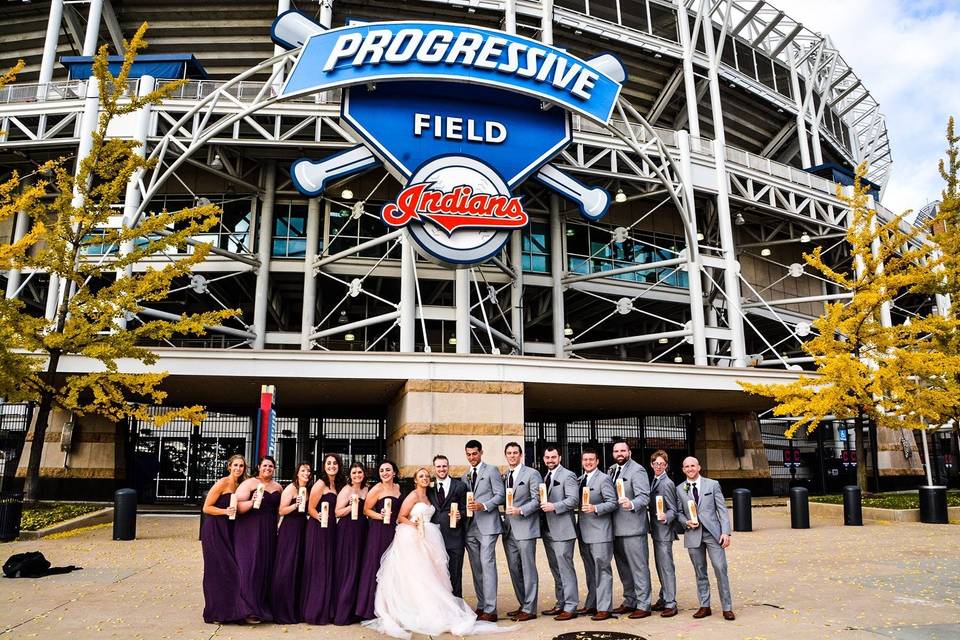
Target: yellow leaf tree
(70, 212)
(867, 370)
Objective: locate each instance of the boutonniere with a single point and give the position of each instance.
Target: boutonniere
(433, 485)
(686, 487)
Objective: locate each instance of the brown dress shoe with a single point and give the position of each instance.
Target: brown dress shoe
(639, 613)
(565, 615)
(552, 612)
(703, 612)
(601, 615)
(622, 609)
(488, 617)
(668, 613)
(585, 612)
(658, 606)
(728, 615)
(515, 612)
(478, 611)
(523, 616)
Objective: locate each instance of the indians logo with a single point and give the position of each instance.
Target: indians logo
(458, 209)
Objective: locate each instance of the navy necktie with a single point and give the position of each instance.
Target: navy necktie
(441, 494)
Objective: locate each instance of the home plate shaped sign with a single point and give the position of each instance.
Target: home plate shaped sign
(460, 114)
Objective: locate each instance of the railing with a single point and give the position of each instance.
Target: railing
(25, 93)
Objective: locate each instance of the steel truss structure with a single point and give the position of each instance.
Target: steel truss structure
(698, 262)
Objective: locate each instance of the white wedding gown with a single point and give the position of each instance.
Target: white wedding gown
(413, 586)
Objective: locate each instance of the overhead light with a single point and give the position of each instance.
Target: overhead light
(570, 231)
(203, 202)
(663, 340)
(621, 196)
(678, 359)
(217, 163)
(805, 237)
(699, 236)
(343, 318)
(567, 330)
(453, 340)
(346, 194)
(349, 337)
(738, 220)
(764, 252)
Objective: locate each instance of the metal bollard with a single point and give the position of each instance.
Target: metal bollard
(124, 514)
(933, 505)
(742, 514)
(852, 506)
(799, 508)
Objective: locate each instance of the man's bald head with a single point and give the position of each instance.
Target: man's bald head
(691, 467)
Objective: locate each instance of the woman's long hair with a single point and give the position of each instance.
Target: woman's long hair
(296, 476)
(366, 478)
(337, 481)
(230, 460)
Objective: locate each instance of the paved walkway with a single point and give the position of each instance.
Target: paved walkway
(877, 581)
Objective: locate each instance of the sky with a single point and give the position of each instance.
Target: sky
(907, 53)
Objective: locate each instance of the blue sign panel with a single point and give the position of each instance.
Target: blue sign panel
(368, 53)
(410, 123)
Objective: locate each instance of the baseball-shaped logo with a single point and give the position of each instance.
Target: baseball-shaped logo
(459, 210)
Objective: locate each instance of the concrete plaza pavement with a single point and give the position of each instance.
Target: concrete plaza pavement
(877, 581)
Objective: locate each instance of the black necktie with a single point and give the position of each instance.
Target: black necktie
(441, 494)
(583, 482)
(696, 493)
(549, 479)
(509, 479)
(473, 479)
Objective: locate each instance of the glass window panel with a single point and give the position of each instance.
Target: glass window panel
(296, 247)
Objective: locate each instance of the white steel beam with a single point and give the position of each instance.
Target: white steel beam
(308, 315)
(261, 300)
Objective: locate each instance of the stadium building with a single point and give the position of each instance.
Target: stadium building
(673, 160)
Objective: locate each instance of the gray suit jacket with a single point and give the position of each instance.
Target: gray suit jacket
(489, 491)
(636, 487)
(598, 527)
(711, 511)
(564, 494)
(526, 497)
(663, 487)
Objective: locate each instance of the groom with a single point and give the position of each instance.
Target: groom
(483, 529)
(445, 492)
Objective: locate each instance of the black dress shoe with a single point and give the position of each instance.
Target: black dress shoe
(622, 609)
(658, 606)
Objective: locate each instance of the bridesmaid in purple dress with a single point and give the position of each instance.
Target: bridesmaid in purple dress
(255, 539)
(379, 535)
(351, 532)
(221, 575)
(288, 565)
(319, 593)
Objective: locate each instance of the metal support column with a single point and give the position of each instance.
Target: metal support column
(408, 296)
(92, 36)
(20, 229)
(461, 299)
(516, 238)
(282, 6)
(731, 268)
(801, 116)
(546, 21)
(510, 16)
(308, 316)
(694, 279)
(689, 79)
(557, 253)
(51, 38)
(264, 244)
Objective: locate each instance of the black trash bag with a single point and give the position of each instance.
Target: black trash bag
(32, 564)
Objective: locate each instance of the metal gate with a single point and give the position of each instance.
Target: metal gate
(14, 423)
(644, 433)
(360, 440)
(826, 461)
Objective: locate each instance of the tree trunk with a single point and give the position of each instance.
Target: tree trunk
(861, 454)
(31, 485)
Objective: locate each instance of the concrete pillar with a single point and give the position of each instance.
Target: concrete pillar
(714, 447)
(265, 243)
(308, 317)
(438, 416)
(462, 302)
(731, 268)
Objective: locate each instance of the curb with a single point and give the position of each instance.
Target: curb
(87, 519)
(826, 510)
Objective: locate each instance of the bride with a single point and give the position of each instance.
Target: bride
(413, 586)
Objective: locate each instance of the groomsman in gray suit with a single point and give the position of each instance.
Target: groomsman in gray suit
(488, 494)
(710, 535)
(559, 532)
(663, 533)
(521, 528)
(596, 536)
(630, 525)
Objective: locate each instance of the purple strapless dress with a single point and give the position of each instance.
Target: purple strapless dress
(379, 537)
(319, 594)
(351, 535)
(254, 546)
(222, 602)
(288, 568)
